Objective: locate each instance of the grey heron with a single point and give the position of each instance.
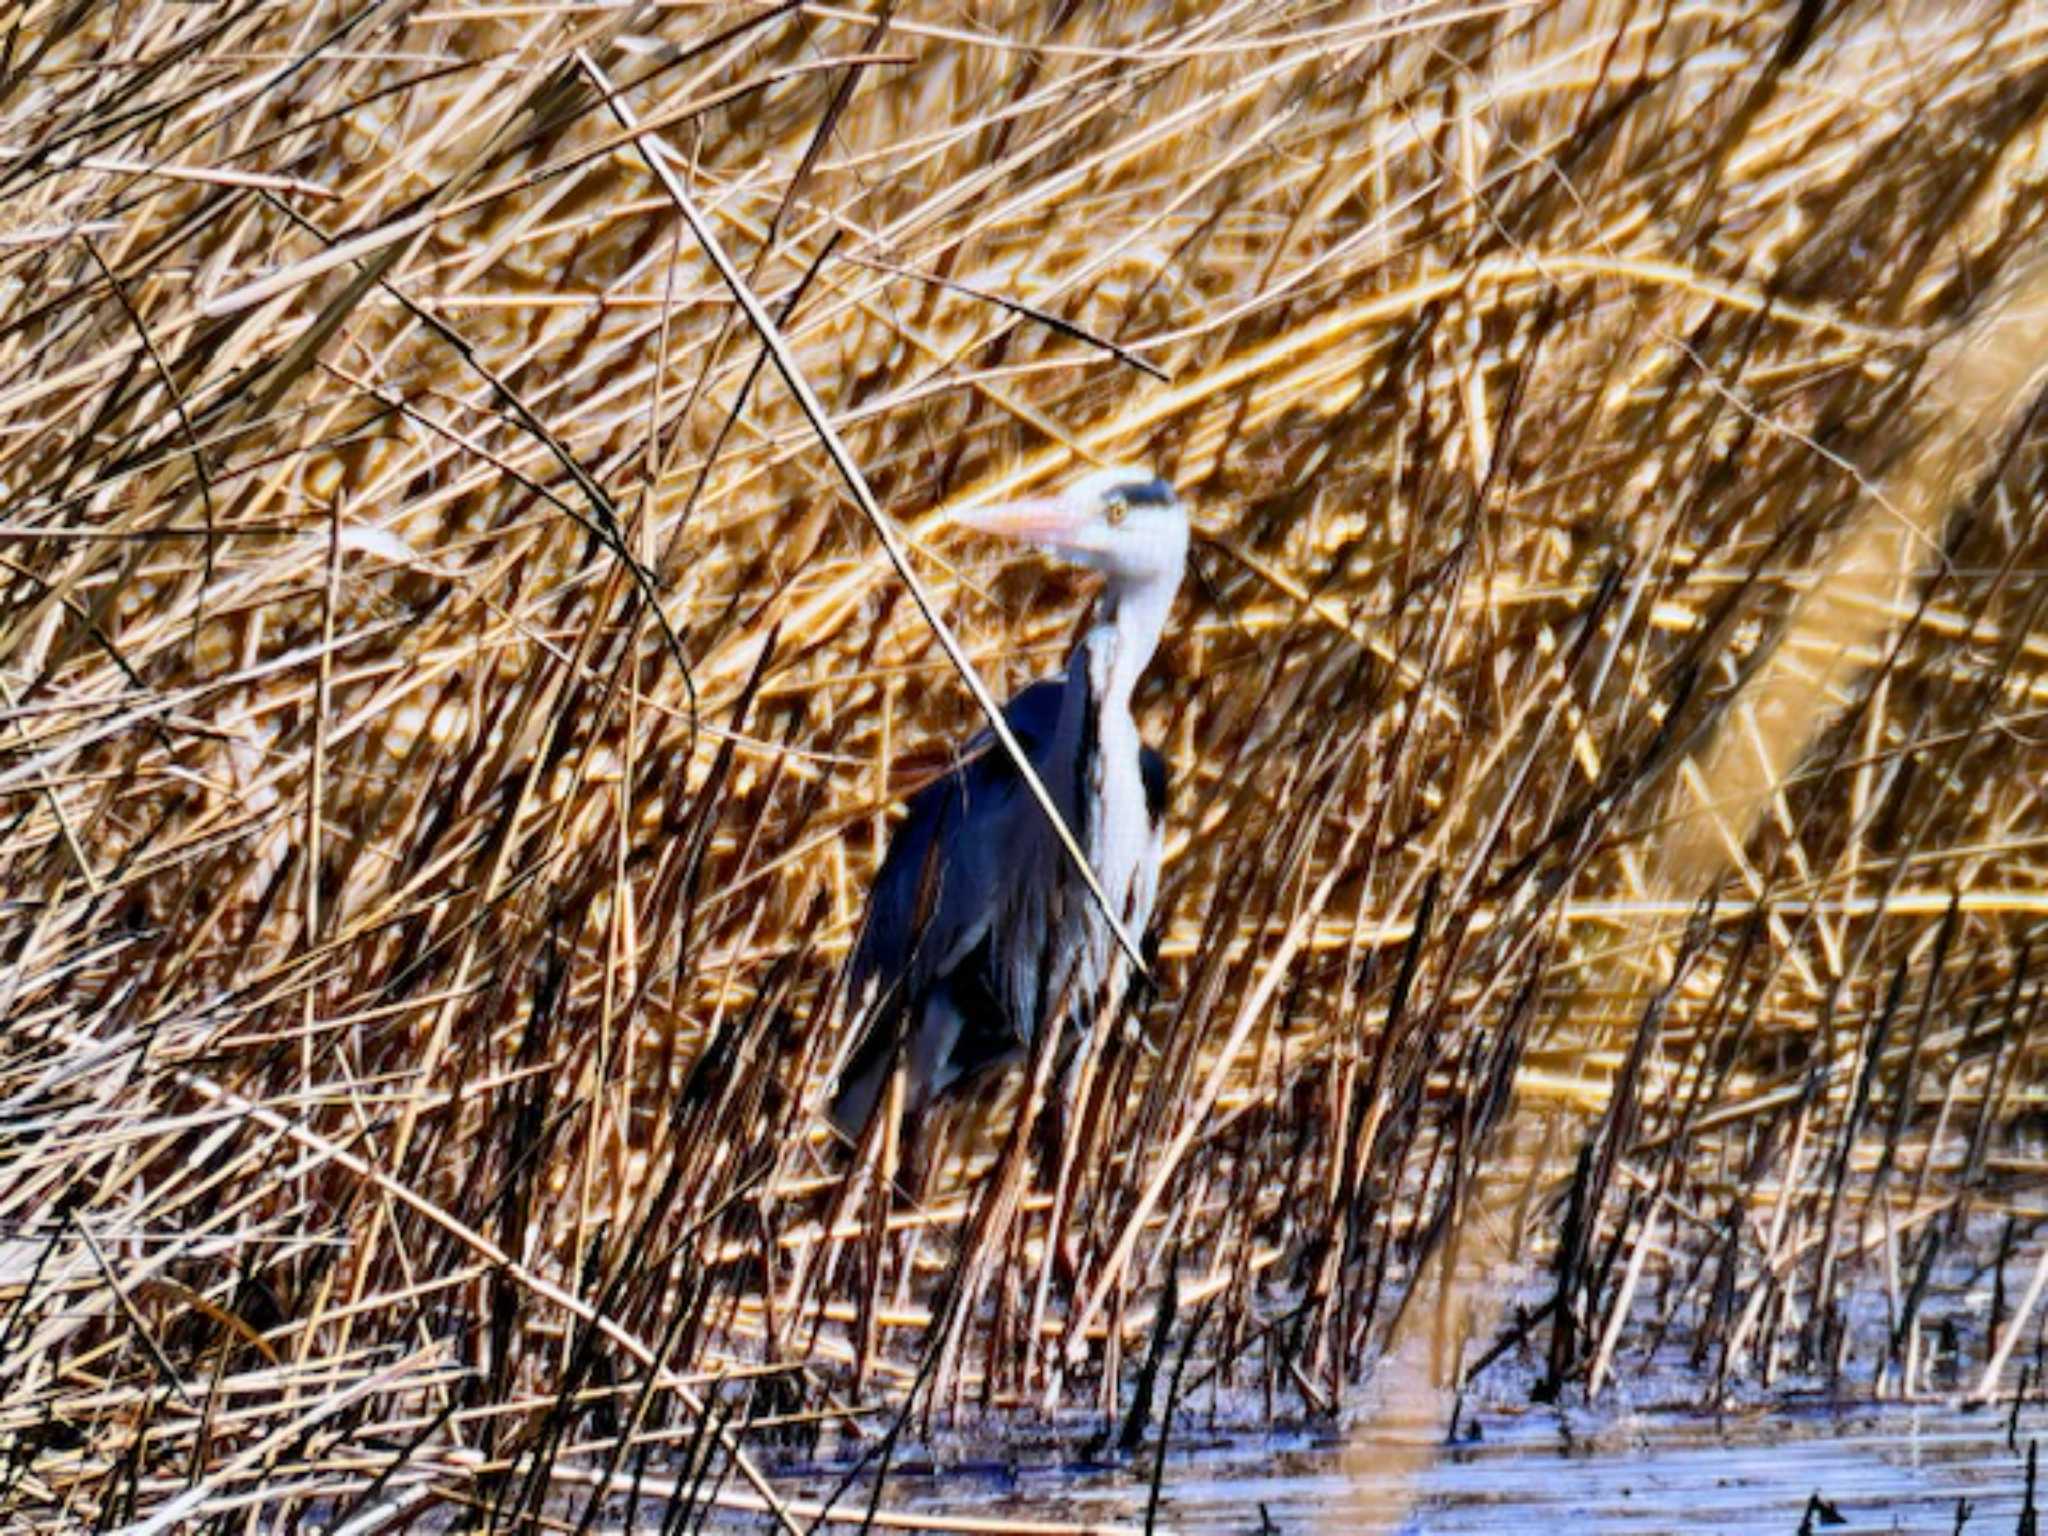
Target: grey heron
(979, 928)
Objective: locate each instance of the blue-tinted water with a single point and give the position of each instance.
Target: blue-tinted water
(1604, 1474)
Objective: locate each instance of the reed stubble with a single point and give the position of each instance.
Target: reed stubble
(450, 714)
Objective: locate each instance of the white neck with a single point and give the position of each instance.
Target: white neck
(1134, 614)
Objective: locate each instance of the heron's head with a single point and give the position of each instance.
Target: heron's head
(1124, 522)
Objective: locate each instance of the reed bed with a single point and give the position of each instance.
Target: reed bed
(452, 700)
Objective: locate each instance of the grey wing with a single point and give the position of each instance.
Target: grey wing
(935, 950)
(954, 835)
(1145, 887)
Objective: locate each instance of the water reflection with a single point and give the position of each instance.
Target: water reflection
(1602, 1474)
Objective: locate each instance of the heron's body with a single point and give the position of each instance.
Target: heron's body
(979, 927)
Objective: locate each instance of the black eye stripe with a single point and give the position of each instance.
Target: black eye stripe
(1146, 493)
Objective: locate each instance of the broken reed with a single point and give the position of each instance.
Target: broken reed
(450, 715)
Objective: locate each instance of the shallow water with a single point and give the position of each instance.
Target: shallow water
(1881, 1469)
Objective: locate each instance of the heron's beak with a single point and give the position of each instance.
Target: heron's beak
(1045, 520)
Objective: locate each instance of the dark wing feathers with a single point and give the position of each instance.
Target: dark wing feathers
(960, 824)
(929, 932)
(931, 928)
(1152, 769)
(1032, 716)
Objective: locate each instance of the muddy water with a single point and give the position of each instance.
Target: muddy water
(1605, 1474)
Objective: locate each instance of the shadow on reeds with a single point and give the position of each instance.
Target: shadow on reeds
(448, 715)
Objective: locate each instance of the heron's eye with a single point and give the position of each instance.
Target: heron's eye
(1115, 511)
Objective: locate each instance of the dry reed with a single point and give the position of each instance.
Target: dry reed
(450, 703)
